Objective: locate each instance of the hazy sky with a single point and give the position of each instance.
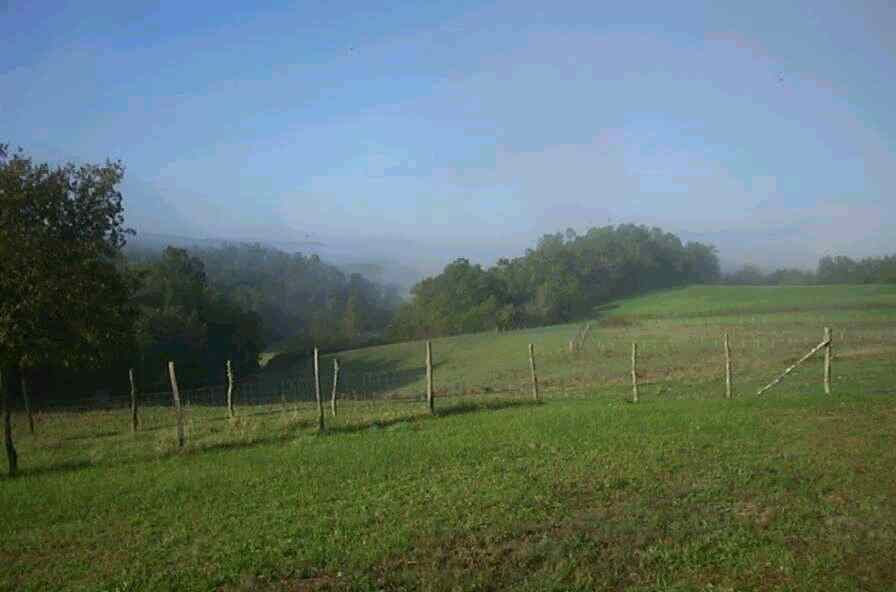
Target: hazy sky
(428, 131)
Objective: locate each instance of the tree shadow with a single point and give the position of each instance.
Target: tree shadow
(293, 429)
(462, 408)
(64, 467)
(106, 434)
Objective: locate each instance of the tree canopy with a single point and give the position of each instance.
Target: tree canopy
(565, 277)
(64, 299)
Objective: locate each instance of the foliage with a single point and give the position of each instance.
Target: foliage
(830, 270)
(300, 298)
(64, 299)
(183, 319)
(565, 277)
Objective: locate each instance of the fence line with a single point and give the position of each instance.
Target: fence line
(259, 395)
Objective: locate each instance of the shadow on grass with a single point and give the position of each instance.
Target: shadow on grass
(65, 467)
(289, 434)
(105, 434)
(462, 408)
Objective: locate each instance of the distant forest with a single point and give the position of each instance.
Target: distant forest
(831, 270)
(76, 311)
(564, 278)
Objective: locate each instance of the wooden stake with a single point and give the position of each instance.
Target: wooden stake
(634, 373)
(335, 383)
(727, 368)
(12, 458)
(792, 368)
(320, 407)
(27, 397)
(135, 421)
(229, 389)
(535, 394)
(429, 388)
(179, 410)
(828, 355)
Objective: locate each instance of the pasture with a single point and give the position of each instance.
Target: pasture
(685, 490)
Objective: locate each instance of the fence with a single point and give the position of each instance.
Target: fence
(736, 360)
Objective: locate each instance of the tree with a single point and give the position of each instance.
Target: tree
(64, 299)
(183, 319)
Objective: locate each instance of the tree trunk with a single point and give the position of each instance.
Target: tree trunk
(12, 458)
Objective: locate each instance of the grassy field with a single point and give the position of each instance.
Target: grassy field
(685, 490)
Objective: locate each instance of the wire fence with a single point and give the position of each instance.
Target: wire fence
(671, 364)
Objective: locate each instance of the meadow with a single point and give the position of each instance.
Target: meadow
(684, 490)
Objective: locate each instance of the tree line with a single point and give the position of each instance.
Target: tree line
(564, 278)
(830, 270)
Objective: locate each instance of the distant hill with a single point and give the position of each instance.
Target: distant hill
(373, 268)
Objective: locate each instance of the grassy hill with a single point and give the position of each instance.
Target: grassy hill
(678, 332)
(684, 490)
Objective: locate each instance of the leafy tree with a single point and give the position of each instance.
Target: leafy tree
(64, 299)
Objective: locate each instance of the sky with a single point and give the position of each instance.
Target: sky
(421, 132)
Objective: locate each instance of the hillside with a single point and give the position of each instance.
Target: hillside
(683, 490)
(767, 327)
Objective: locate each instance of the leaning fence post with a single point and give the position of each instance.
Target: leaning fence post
(429, 388)
(229, 389)
(634, 373)
(335, 383)
(320, 407)
(727, 368)
(135, 422)
(177, 406)
(535, 393)
(828, 354)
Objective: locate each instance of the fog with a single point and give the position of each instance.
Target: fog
(414, 136)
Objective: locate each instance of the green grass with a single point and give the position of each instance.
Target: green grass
(683, 491)
(742, 300)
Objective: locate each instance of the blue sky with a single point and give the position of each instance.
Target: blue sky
(427, 131)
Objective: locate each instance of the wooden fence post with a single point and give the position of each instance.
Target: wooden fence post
(320, 407)
(229, 389)
(634, 373)
(135, 421)
(429, 387)
(12, 458)
(179, 410)
(535, 394)
(335, 383)
(828, 355)
(27, 398)
(727, 368)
